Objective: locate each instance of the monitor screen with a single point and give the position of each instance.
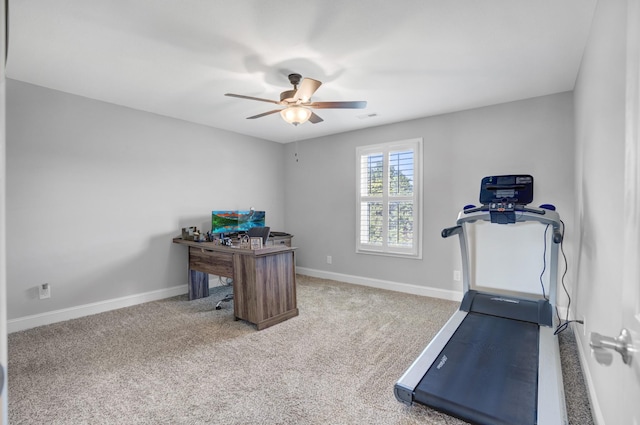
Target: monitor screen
(226, 221)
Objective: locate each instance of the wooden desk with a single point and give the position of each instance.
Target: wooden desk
(264, 280)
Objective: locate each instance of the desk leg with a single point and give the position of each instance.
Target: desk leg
(198, 284)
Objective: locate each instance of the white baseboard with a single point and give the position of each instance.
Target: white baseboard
(383, 284)
(596, 411)
(28, 322)
(562, 312)
(50, 317)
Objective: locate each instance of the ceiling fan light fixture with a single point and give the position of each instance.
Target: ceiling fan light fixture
(297, 102)
(295, 114)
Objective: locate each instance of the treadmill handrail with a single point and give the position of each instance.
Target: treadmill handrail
(550, 217)
(450, 231)
(524, 214)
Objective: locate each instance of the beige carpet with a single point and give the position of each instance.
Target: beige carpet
(182, 362)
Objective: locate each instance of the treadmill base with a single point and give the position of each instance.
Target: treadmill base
(487, 373)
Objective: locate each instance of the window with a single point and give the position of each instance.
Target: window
(389, 198)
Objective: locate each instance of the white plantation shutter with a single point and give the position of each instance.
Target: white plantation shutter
(388, 190)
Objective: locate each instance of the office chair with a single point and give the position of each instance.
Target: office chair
(254, 232)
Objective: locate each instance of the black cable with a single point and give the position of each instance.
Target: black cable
(562, 326)
(544, 263)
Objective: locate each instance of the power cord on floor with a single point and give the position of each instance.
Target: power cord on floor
(564, 325)
(224, 281)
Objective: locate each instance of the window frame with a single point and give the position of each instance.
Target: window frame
(415, 251)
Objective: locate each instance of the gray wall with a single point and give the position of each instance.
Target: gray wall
(534, 136)
(96, 192)
(600, 137)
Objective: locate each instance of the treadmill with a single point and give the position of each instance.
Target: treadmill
(496, 361)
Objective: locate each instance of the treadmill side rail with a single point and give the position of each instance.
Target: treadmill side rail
(404, 388)
(551, 402)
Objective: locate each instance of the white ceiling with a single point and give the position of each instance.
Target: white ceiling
(407, 58)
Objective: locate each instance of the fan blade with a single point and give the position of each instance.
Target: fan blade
(264, 114)
(314, 119)
(307, 88)
(338, 105)
(251, 98)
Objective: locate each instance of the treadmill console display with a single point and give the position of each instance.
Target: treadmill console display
(503, 193)
(516, 189)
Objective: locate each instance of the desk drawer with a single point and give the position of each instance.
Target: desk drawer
(218, 263)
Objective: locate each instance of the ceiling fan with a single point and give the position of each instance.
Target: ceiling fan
(298, 102)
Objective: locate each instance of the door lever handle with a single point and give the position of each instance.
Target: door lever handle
(621, 344)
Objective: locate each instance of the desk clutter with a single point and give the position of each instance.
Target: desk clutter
(191, 234)
(237, 239)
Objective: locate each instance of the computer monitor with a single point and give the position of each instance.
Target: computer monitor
(227, 221)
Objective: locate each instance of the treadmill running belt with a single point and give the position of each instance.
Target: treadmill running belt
(487, 373)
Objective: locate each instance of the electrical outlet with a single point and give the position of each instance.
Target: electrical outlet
(457, 276)
(329, 259)
(45, 291)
